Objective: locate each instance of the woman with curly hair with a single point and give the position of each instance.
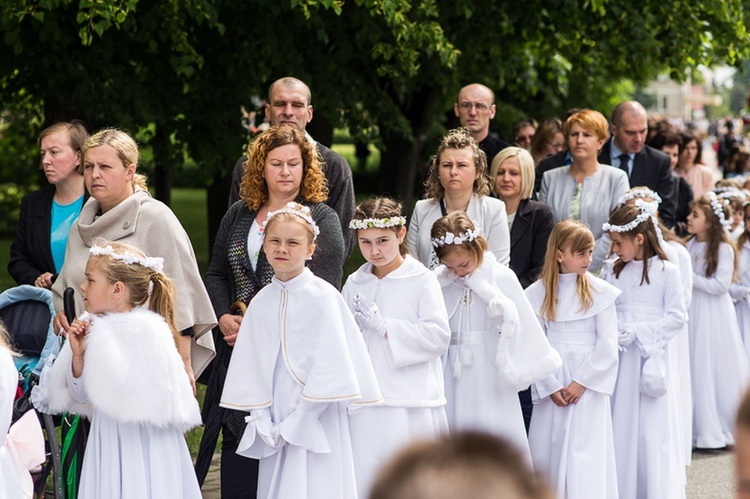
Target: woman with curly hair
(281, 167)
(458, 180)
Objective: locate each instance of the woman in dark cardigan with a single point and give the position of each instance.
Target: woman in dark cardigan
(512, 177)
(38, 251)
(281, 167)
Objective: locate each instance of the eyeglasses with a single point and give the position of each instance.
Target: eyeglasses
(524, 138)
(556, 145)
(481, 107)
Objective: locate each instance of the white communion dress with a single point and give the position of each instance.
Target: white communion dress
(135, 390)
(406, 362)
(574, 445)
(680, 348)
(647, 430)
(720, 372)
(497, 348)
(299, 360)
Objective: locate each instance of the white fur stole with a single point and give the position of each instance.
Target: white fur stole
(132, 373)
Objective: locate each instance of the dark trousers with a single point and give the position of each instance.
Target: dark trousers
(239, 475)
(526, 407)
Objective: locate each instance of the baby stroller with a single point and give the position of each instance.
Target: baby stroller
(27, 313)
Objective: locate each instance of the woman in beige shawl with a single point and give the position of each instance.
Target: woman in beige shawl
(121, 209)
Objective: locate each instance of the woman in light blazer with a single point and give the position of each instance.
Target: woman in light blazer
(458, 181)
(586, 190)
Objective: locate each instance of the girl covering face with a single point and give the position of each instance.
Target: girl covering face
(497, 345)
(299, 361)
(406, 333)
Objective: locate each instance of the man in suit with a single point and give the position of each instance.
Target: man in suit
(289, 103)
(475, 108)
(626, 149)
(645, 166)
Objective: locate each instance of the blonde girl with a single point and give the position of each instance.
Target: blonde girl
(650, 312)
(121, 368)
(399, 309)
(718, 362)
(497, 345)
(571, 426)
(298, 361)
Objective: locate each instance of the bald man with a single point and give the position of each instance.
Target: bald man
(290, 103)
(645, 166)
(475, 108)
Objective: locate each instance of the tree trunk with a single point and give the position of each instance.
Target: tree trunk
(217, 198)
(401, 155)
(164, 165)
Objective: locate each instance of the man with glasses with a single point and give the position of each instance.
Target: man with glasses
(475, 108)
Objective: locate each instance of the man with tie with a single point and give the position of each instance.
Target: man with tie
(645, 166)
(626, 149)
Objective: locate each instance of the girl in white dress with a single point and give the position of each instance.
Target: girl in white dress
(740, 291)
(571, 426)
(497, 345)
(399, 308)
(650, 312)
(298, 361)
(121, 367)
(678, 349)
(718, 362)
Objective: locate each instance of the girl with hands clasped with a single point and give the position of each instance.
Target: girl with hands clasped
(497, 345)
(650, 312)
(718, 362)
(399, 308)
(571, 425)
(121, 368)
(298, 361)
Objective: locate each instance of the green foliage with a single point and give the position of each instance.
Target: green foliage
(387, 69)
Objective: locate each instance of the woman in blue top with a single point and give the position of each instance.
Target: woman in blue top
(38, 251)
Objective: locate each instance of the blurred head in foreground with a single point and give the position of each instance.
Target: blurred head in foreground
(467, 465)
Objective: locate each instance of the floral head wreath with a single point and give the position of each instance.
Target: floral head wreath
(377, 223)
(154, 263)
(638, 193)
(451, 238)
(648, 212)
(719, 210)
(731, 192)
(302, 211)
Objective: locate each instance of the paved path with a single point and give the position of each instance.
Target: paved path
(711, 476)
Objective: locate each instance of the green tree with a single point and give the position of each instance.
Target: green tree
(388, 69)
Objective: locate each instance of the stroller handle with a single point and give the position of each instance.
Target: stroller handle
(69, 304)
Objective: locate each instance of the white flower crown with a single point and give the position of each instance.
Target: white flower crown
(718, 210)
(451, 238)
(638, 193)
(730, 192)
(377, 223)
(648, 212)
(303, 212)
(154, 263)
